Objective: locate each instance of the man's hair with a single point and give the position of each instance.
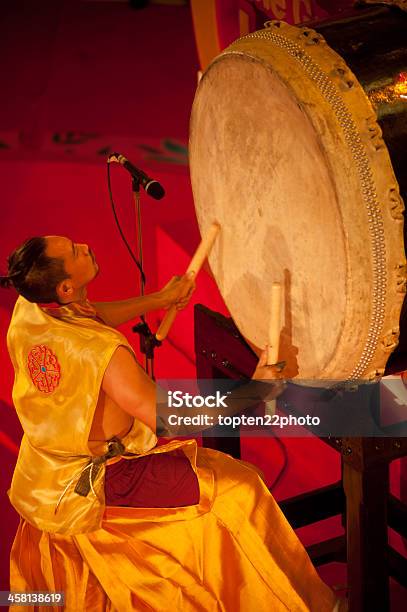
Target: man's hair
(33, 273)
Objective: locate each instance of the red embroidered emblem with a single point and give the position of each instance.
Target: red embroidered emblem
(44, 368)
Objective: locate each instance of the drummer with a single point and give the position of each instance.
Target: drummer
(77, 387)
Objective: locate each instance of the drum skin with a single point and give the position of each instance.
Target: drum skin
(286, 154)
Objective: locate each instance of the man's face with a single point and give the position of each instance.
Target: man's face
(79, 260)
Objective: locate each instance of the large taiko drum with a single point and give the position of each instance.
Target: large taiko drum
(287, 154)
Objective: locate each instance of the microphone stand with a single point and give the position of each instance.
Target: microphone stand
(148, 341)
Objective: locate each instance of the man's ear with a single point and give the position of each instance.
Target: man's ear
(65, 290)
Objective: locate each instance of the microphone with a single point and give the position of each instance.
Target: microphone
(151, 186)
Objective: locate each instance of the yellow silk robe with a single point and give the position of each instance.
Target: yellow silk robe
(233, 551)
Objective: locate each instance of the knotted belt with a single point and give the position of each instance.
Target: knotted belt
(89, 473)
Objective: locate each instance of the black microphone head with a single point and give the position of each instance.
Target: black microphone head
(155, 190)
(113, 157)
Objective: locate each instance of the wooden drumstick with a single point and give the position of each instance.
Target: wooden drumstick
(274, 335)
(197, 261)
(275, 324)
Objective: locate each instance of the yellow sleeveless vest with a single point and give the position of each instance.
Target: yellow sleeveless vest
(59, 358)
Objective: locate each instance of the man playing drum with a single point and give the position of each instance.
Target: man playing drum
(107, 516)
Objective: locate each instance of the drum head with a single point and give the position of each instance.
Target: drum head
(289, 160)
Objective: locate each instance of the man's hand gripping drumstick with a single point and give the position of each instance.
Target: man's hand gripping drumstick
(177, 291)
(196, 263)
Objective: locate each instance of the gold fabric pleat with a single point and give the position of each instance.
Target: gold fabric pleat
(234, 551)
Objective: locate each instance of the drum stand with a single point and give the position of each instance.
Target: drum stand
(362, 495)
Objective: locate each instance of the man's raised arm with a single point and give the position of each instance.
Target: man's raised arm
(177, 292)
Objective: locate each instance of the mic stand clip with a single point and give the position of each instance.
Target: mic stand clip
(148, 341)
